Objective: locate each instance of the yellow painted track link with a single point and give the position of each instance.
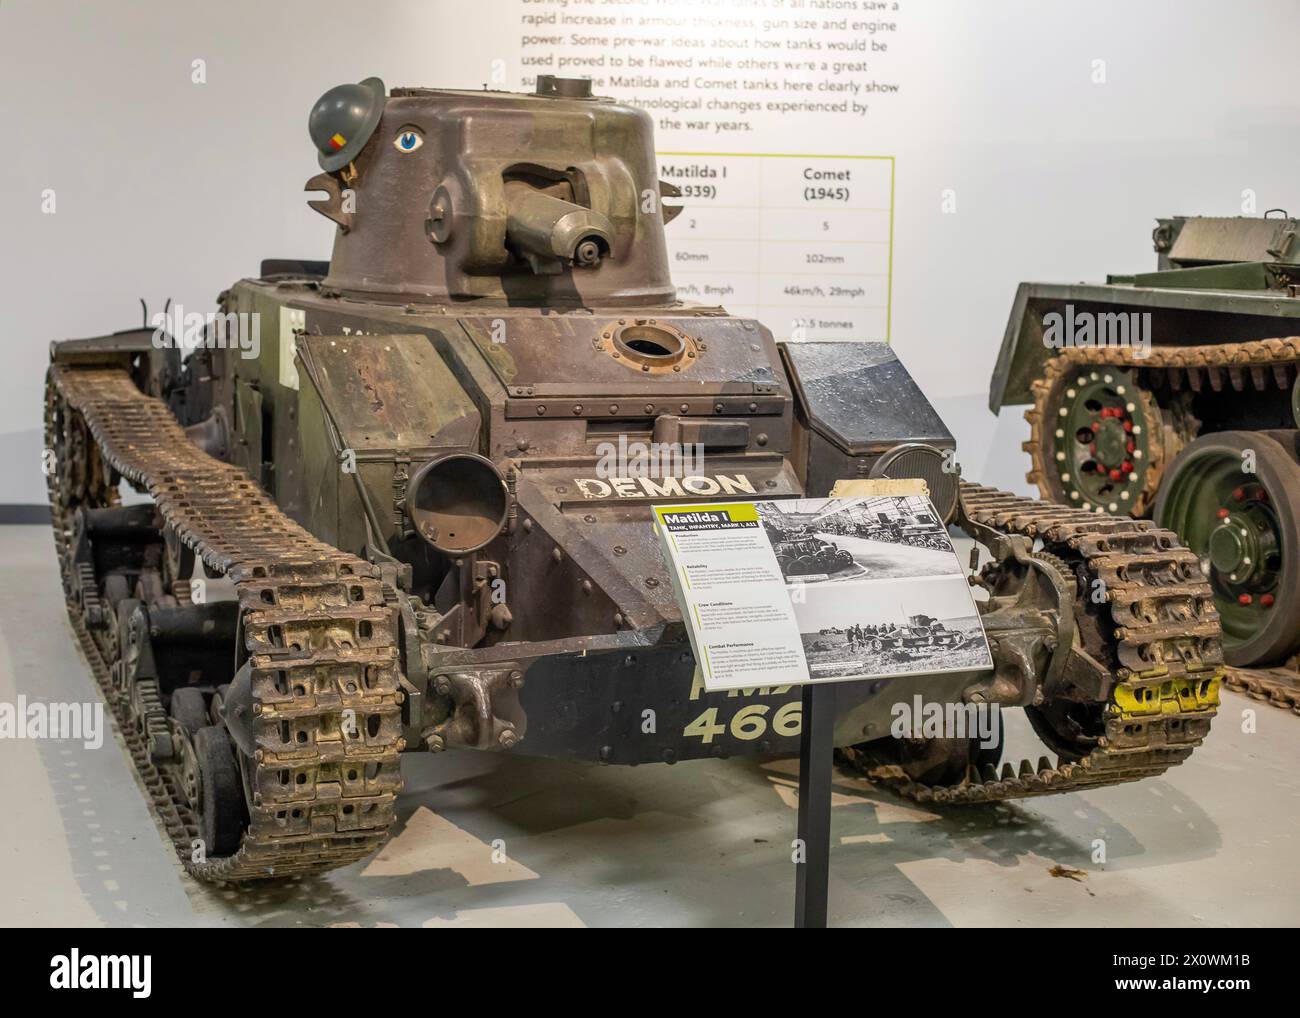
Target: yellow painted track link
(322, 644)
(1161, 634)
(1236, 366)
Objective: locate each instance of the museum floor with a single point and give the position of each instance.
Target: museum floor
(1215, 842)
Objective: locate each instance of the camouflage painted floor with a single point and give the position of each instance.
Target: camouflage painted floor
(1216, 842)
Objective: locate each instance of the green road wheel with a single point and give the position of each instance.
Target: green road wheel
(1234, 499)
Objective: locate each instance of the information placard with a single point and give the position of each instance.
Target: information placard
(793, 591)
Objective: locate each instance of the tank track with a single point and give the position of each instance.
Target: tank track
(1166, 652)
(1258, 363)
(1278, 687)
(322, 643)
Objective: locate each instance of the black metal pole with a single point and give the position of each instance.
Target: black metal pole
(816, 749)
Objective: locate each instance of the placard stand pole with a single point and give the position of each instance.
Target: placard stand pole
(816, 760)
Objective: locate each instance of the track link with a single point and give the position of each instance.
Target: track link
(1278, 687)
(322, 643)
(1164, 646)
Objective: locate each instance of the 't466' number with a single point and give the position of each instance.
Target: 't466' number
(748, 723)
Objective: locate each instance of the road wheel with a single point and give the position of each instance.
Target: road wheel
(189, 709)
(1245, 527)
(937, 761)
(222, 816)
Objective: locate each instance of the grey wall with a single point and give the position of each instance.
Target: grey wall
(166, 188)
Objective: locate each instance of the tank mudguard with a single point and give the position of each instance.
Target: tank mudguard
(1182, 317)
(151, 356)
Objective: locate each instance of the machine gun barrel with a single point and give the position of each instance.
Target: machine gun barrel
(550, 231)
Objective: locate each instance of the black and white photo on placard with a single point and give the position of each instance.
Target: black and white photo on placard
(890, 628)
(829, 540)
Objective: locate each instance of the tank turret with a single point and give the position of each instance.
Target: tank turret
(550, 198)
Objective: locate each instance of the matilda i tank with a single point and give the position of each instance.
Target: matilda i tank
(920, 634)
(1173, 395)
(374, 510)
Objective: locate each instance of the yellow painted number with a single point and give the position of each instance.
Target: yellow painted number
(705, 726)
(749, 723)
(788, 720)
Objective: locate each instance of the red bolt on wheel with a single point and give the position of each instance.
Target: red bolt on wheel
(1126, 467)
(1128, 425)
(1199, 482)
(1238, 494)
(1266, 600)
(1244, 599)
(1115, 475)
(1222, 514)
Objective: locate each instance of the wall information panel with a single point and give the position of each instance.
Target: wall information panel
(802, 242)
